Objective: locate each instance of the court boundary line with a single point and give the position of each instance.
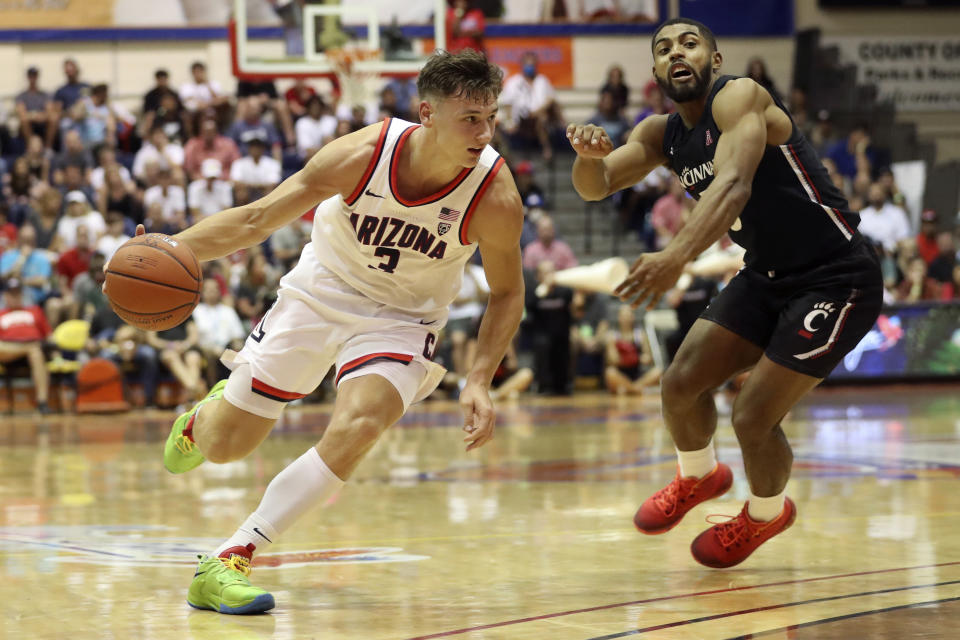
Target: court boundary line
(847, 616)
(547, 616)
(782, 605)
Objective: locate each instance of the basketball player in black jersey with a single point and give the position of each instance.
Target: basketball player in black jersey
(810, 290)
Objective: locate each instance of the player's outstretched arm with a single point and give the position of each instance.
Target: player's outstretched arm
(601, 170)
(739, 110)
(496, 227)
(336, 168)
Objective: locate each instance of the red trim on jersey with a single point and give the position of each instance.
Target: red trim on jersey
(487, 181)
(843, 220)
(353, 365)
(835, 336)
(394, 185)
(371, 166)
(805, 174)
(263, 389)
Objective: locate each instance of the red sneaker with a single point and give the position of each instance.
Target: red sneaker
(730, 543)
(663, 510)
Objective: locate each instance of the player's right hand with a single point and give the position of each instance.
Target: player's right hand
(589, 140)
(140, 230)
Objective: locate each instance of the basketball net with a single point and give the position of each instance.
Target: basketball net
(357, 85)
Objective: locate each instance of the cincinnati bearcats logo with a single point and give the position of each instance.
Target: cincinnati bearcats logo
(812, 321)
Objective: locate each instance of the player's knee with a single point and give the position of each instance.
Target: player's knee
(750, 425)
(366, 429)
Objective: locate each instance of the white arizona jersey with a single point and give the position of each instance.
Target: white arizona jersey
(401, 253)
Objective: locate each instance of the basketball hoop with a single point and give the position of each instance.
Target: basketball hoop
(355, 81)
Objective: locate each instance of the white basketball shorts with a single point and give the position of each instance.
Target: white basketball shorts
(318, 321)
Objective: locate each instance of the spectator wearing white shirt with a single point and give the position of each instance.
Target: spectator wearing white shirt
(218, 327)
(110, 241)
(209, 194)
(159, 151)
(77, 214)
(314, 129)
(202, 92)
(170, 196)
(107, 159)
(882, 221)
(256, 174)
(527, 100)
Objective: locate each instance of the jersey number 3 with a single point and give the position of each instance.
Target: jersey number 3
(392, 258)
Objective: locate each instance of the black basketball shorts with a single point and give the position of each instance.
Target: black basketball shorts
(805, 320)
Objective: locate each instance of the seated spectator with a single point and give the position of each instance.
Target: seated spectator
(668, 213)
(107, 160)
(941, 267)
(71, 264)
(608, 117)
(526, 185)
(629, 363)
(315, 129)
(8, 230)
(209, 144)
(265, 92)
(589, 340)
(154, 222)
(73, 90)
(34, 108)
(548, 248)
(257, 289)
(526, 101)
(389, 107)
(28, 265)
(178, 352)
(151, 100)
(916, 285)
(510, 379)
(17, 183)
(257, 173)
(202, 93)
(465, 26)
(159, 151)
(464, 316)
(23, 330)
(74, 154)
(249, 126)
(297, 97)
(39, 159)
(171, 116)
(927, 245)
(757, 71)
(102, 124)
(74, 180)
(218, 327)
(127, 348)
(44, 217)
(617, 87)
(114, 237)
(287, 242)
(79, 215)
(121, 196)
(853, 155)
(171, 196)
(209, 194)
(655, 102)
(87, 288)
(883, 221)
(548, 309)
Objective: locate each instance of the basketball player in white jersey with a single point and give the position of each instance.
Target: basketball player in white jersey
(402, 208)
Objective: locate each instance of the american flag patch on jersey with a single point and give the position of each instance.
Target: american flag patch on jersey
(450, 215)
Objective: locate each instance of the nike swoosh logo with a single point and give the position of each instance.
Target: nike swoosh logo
(372, 194)
(431, 322)
(260, 533)
(198, 573)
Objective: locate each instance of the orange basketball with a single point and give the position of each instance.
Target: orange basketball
(153, 282)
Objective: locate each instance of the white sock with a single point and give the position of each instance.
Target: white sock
(697, 463)
(766, 509)
(305, 483)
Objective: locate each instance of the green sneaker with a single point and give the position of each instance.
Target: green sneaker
(221, 584)
(181, 454)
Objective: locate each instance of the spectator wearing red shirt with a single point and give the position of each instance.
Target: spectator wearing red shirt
(298, 96)
(465, 26)
(547, 248)
(927, 238)
(23, 330)
(667, 214)
(75, 261)
(8, 230)
(209, 144)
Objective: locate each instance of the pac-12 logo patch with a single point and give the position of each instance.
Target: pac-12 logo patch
(443, 227)
(811, 322)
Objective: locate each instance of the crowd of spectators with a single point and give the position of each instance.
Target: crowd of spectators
(80, 171)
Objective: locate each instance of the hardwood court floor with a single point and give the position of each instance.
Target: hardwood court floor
(529, 538)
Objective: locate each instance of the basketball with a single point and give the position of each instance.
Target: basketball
(153, 282)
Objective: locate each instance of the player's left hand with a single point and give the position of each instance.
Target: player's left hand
(478, 415)
(652, 275)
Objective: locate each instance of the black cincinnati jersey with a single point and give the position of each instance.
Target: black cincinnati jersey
(795, 216)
